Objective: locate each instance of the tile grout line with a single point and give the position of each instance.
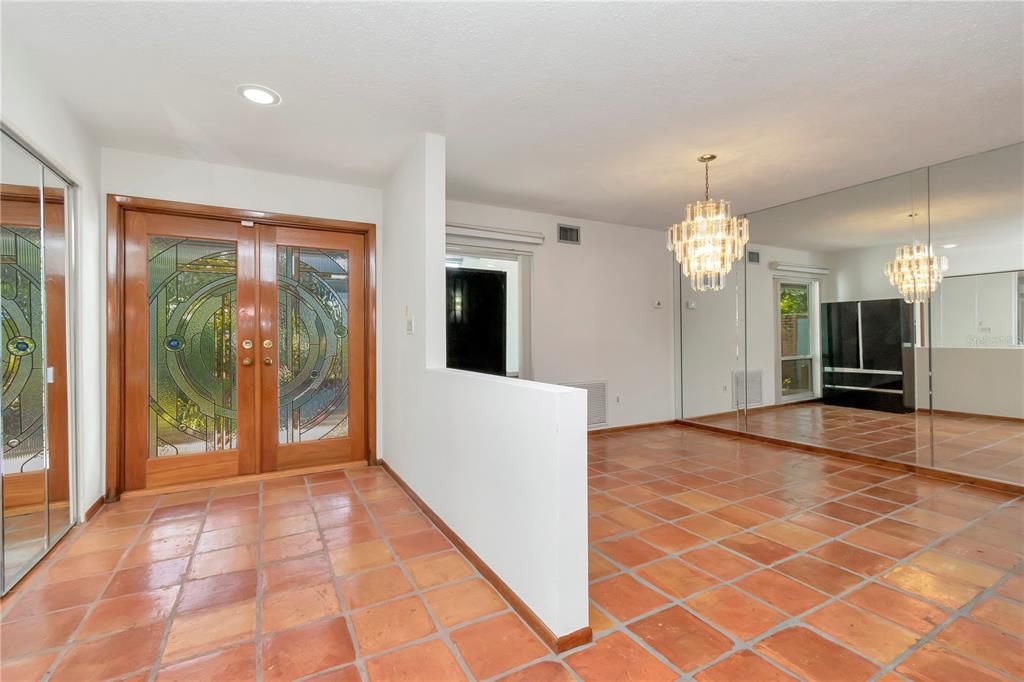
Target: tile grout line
(442, 633)
(173, 614)
(832, 598)
(70, 642)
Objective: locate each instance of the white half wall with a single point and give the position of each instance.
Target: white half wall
(593, 314)
(501, 461)
(39, 116)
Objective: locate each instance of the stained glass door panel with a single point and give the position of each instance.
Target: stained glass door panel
(312, 310)
(193, 298)
(312, 332)
(189, 305)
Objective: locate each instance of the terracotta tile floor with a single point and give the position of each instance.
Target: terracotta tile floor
(332, 576)
(720, 558)
(711, 557)
(989, 447)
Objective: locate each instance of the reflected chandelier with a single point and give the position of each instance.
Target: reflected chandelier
(916, 271)
(709, 239)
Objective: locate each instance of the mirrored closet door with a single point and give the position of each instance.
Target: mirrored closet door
(36, 469)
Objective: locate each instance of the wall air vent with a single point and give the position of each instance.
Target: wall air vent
(597, 401)
(754, 257)
(569, 234)
(752, 396)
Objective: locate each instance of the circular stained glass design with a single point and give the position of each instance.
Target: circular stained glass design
(192, 312)
(21, 345)
(174, 342)
(313, 389)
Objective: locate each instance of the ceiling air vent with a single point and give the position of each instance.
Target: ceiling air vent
(569, 234)
(597, 401)
(753, 257)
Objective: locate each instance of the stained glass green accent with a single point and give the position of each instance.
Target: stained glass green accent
(23, 350)
(193, 295)
(312, 343)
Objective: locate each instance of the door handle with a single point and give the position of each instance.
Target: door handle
(246, 362)
(268, 361)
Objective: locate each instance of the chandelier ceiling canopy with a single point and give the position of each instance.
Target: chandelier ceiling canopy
(709, 239)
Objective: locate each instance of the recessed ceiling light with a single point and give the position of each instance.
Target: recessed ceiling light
(950, 246)
(258, 94)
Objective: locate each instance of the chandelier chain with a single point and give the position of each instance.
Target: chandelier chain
(707, 181)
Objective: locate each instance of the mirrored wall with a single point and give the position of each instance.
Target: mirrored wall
(884, 319)
(35, 467)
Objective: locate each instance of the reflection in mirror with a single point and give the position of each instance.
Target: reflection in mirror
(58, 478)
(884, 319)
(23, 347)
(827, 333)
(714, 384)
(977, 207)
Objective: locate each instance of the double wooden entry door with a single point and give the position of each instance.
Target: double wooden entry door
(244, 348)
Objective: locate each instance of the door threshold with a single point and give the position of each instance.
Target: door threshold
(233, 480)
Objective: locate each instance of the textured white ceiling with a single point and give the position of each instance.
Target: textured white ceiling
(582, 109)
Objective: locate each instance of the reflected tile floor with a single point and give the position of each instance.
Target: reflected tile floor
(977, 445)
(722, 558)
(712, 558)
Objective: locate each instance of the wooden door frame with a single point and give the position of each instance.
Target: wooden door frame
(117, 205)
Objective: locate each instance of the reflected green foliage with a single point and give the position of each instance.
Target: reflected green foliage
(793, 300)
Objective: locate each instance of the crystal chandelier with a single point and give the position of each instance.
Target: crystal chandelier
(709, 239)
(916, 271)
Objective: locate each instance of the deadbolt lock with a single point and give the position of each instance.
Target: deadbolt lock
(246, 362)
(268, 361)
(247, 344)
(267, 343)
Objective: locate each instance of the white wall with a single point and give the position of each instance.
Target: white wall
(974, 380)
(593, 313)
(40, 117)
(516, 495)
(975, 311)
(712, 345)
(860, 274)
(162, 177)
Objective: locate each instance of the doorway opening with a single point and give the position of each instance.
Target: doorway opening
(488, 311)
(798, 341)
(242, 343)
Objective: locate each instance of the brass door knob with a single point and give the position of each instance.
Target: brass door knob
(246, 362)
(268, 361)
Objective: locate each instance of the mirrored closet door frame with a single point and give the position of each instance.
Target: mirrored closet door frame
(49, 173)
